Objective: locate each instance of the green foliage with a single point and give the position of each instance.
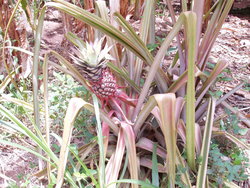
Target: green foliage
(24, 181)
(24, 93)
(216, 94)
(32, 164)
(1, 78)
(1, 35)
(224, 76)
(20, 176)
(231, 123)
(152, 47)
(247, 87)
(180, 172)
(12, 185)
(229, 167)
(61, 89)
(56, 148)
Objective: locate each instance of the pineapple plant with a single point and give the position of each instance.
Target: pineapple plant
(90, 60)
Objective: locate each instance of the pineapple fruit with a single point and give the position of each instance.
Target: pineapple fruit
(90, 60)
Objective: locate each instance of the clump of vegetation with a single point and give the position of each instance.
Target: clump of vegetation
(61, 89)
(231, 165)
(153, 128)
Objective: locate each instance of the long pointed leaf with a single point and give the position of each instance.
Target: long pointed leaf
(99, 24)
(131, 149)
(190, 112)
(41, 143)
(155, 175)
(161, 79)
(156, 63)
(167, 105)
(46, 109)
(118, 157)
(217, 70)
(144, 32)
(201, 178)
(145, 111)
(74, 108)
(111, 42)
(38, 35)
(100, 143)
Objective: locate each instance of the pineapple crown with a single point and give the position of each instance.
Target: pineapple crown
(92, 53)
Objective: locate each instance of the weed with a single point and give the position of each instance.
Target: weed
(32, 164)
(61, 90)
(224, 76)
(24, 93)
(229, 166)
(247, 87)
(12, 185)
(26, 182)
(216, 94)
(20, 176)
(232, 124)
(180, 172)
(152, 47)
(85, 121)
(1, 78)
(56, 148)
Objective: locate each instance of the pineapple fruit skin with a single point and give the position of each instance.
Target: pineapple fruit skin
(106, 87)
